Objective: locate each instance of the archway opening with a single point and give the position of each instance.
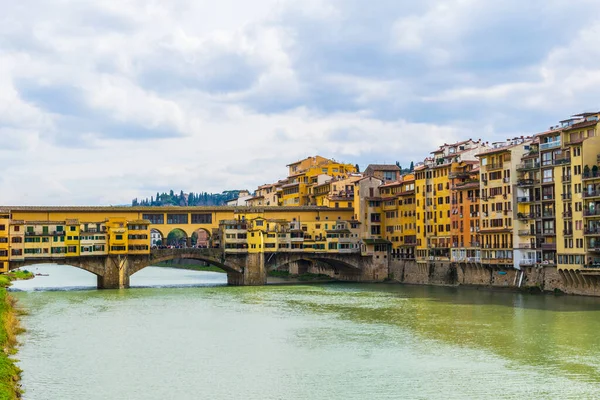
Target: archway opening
(185, 269)
(157, 239)
(177, 238)
(52, 276)
(301, 271)
(201, 239)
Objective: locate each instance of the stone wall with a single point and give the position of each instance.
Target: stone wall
(547, 279)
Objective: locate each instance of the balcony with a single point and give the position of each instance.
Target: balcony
(494, 167)
(524, 200)
(528, 182)
(567, 232)
(528, 165)
(562, 160)
(567, 214)
(591, 213)
(591, 175)
(592, 231)
(548, 197)
(566, 178)
(548, 246)
(548, 214)
(526, 246)
(525, 217)
(525, 232)
(566, 196)
(527, 263)
(591, 193)
(549, 145)
(547, 180)
(548, 233)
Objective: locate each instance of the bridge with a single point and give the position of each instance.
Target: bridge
(243, 269)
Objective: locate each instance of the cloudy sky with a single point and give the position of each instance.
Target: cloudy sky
(104, 101)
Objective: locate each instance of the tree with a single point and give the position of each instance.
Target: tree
(412, 166)
(357, 168)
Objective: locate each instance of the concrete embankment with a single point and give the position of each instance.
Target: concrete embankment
(542, 278)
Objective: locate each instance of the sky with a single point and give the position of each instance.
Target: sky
(105, 101)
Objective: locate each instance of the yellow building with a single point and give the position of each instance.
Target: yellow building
(433, 194)
(4, 241)
(399, 216)
(305, 174)
(580, 193)
(118, 242)
(498, 174)
(138, 237)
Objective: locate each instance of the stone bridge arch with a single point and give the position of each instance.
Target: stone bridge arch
(347, 264)
(208, 255)
(94, 265)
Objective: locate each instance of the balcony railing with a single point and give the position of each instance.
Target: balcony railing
(566, 178)
(528, 165)
(562, 160)
(566, 196)
(528, 182)
(527, 263)
(548, 246)
(591, 193)
(549, 145)
(591, 231)
(548, 233)
(493, 167)
(591, 213)
(524, 200)
(548, 214)
(526, 246)
(567, 232)
(567, 214)
(525, 232)
(591, 175)
(524, 216)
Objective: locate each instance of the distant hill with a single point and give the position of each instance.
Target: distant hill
(187, 199)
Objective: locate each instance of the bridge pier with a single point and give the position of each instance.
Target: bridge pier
(253, 271)
(116, 274)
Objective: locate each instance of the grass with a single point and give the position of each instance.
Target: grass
(10, 374)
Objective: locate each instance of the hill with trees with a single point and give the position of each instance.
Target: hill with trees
(187, 199)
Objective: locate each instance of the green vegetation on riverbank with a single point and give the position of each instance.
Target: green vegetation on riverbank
(190, 266)
(9, 329)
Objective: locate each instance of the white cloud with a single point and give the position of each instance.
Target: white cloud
(100, 103)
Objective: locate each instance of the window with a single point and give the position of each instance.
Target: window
(119, 237)
(201, 218)
(177, 218)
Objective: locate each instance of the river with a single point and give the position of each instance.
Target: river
(181, 335)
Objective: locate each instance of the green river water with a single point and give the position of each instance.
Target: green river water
(337, 341)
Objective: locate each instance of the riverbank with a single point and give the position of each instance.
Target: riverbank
(10, 374)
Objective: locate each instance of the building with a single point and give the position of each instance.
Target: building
(433, 198)
(464, 217)
(385, 172)
(498, 176)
